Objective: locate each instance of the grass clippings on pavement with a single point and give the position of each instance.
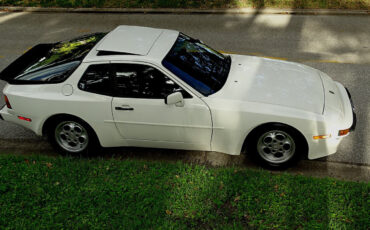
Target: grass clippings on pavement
(73, 193)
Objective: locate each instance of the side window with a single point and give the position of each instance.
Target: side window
(141, 81)
(96, 80)
(126, 80)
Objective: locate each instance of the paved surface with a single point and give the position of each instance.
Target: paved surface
(247, 10)
(337, 45)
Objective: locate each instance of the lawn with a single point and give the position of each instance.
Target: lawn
(69, 193)
(296, 4)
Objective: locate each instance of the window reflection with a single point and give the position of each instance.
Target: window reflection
(53, 74)
(96, 80)
(200, 66)
(50, 63)
(141, 81)
(129, 80)
(69, 50)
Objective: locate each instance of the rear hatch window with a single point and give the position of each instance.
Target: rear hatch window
(50, 63)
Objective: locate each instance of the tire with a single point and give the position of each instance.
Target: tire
(72, 136)
(276, 146)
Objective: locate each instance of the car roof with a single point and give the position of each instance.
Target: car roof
(133, 42)
(130, 39)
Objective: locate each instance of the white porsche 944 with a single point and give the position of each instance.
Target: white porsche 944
(147, 87)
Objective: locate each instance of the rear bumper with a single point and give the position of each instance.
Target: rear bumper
(10, 115)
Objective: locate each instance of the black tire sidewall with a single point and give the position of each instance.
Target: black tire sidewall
(300, 149)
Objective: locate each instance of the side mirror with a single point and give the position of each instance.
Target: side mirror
(175, 98)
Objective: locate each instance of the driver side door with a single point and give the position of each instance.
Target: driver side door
(144, 119)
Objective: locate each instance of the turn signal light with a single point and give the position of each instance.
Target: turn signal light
(7, 102)
(24, 118)
(343, 132)
(321, 137)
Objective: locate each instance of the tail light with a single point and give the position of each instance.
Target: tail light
(7, 102)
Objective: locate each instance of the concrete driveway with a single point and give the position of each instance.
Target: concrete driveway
(337, 45)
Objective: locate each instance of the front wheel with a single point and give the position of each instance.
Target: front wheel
(276, 146)
(72, 136)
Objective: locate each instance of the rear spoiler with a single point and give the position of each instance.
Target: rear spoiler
(23, 62)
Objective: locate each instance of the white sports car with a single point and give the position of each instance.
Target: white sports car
(147, 87)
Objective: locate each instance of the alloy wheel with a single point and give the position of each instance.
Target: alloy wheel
(276, 146)
(71, 136)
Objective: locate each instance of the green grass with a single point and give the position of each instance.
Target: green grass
(39, 192)
(296, 4)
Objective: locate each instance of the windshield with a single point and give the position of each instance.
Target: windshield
(197, 64)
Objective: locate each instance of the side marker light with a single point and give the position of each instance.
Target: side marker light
(343, 132)
(321, 137)
(24, 118)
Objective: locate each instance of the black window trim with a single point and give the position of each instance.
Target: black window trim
(111, 53)
(170, 76)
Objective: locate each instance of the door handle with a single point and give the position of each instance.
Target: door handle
(124, 107)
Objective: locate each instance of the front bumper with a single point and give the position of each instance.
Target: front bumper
(353, 127)
(325, 147)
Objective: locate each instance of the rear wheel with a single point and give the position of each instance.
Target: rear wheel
(72, 136)
(276, 146)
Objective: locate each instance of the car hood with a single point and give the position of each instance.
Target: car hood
(263, 80)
